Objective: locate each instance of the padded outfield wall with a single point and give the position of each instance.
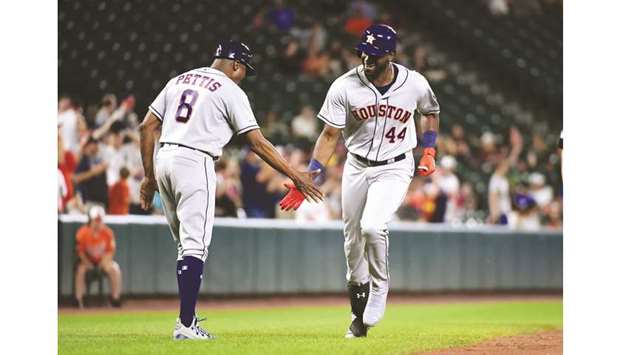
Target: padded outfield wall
(252, 257)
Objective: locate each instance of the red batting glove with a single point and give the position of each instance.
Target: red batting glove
(427, 163)
(293, 198)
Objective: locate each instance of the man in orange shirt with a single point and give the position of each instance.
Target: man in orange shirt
(118, 194)
(96, 247)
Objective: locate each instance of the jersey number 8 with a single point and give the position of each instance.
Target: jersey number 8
(184, 111)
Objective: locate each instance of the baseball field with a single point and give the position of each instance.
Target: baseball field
(408, 328)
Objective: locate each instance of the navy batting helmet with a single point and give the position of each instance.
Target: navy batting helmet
(236, 50)
(377, 40)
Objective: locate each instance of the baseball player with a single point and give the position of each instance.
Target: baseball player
(198, 112)
(372, 106)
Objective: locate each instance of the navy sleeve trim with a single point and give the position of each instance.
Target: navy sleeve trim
(322, 118)
(157, 114)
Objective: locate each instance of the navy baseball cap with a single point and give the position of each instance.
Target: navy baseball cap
(377, 40)
(236, 50)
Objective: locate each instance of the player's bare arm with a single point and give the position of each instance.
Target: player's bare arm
(326, 144)
(429, 123)
(264, 149)
(148, 134)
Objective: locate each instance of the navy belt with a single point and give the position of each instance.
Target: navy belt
(188, 147)
(379, 163)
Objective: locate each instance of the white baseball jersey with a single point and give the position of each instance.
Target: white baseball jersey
(202, 109)
(378, 127)
(199, 109)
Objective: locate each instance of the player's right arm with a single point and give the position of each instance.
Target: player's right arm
(264, 149)
(149, 129)
(333, 113)
(326, 144)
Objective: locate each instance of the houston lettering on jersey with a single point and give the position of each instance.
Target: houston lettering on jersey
(389, 111)
(202, 81)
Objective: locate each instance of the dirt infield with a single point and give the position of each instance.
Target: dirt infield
(145, 305)
(544, 343)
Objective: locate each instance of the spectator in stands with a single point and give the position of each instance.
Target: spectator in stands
(119, 194)
(499, 187)
(66, 164)
(316, 64)
(90, 175)
(258, 202)
(541, 193)
(553, 216)
(108, 106)
(305, 125)
(95, 246)
(526, 215)
(466, 203)
(117, 118)
(226, 193)
(62, 191)
(364, 7)
(420, 59)
(275, 128)
(133, 162)
(448, 184)
(282, 17)
(336, 62)
(113, 153)
(312, 212)
(357, 22)
(350, 59)
(292, 58)
(457, 134)
(71, 124)
(318, 37)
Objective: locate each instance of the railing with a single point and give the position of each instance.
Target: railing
(262, 256)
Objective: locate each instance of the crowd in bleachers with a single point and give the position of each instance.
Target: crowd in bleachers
(493, 175)
(99, 161)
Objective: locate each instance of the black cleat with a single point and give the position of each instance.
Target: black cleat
(357, 329)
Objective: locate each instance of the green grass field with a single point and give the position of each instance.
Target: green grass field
(405, 329)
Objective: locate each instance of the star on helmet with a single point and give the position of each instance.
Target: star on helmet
(370, 38)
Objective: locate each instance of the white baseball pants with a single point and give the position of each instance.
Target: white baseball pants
(186, 181)
(370, 198)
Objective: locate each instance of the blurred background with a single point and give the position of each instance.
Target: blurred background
(495, 66)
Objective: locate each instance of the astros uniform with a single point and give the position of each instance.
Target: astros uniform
(200, 111)
(379, 133)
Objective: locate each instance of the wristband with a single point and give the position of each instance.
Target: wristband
(429, 139)
(316, 165)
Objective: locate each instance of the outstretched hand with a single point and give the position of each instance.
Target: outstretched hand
(301, 190)
(304, 184)
(293, 198)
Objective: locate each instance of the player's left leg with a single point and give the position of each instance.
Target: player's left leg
(388, 187)
(194, 180)
(186, 181)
